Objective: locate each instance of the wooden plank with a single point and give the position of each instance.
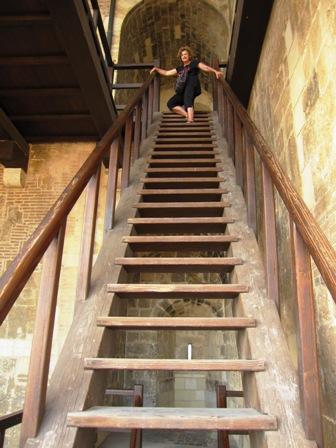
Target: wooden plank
(184, 170)
(180, 209)
(137, 131)
(180, 243)
(183, 225)
(126, 85)
(25, 20)
(188, 365)
(251, 201)
(200, 205)
(111, 189)
(70, 20)
(178, 264)
(167, 154)
(148, 182)
(144, 116)
(238, 159)
(120, 392)
(309, 372)
(159, 291)
(176, 323)
(270, 244)
(181, 161)
(221, 398)
(10, 420)
(126, 163)
(184, 139)
(186, 145)
(10, 129)
(136, 434)
(185, 191)
(150, 105)
(230, 126)
(41, 346)
(88, 237)
(185, 129)
(8, 61)
(173, 418)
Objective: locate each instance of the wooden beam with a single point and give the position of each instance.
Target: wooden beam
(33, 60)
(127, 85)
(7, 125)
(25, 20)
(11, 155)
(70, 19)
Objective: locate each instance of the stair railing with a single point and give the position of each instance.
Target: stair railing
(8, 421)
(307, 239)
(121, 144)
(222, 394)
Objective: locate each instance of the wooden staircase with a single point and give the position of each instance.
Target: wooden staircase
(181, 208)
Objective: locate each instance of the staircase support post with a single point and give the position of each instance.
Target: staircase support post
(230, 131)
(307, 342)
(251, 202)
(126, 164)
(271, 258)
(111, 190)
(221, 397)
(42, 340)
(238, 143)
(144, 116)
(87, 244)
(137, 131)
(150, 105)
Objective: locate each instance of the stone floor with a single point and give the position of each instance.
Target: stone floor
(151, 439)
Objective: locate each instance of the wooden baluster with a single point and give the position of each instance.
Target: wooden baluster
(41, 346)
(111, 189)
(156, 102)
(87, 244)
(220, 99)
(126, 164)
(136, 434)
(150, 105)
(8, 421)
(230, 137)
(144, 116)
(251, 202)
(221, 396)
(271, 257)
(225, 113)
(307, 343)
(137, 131)
(238, 159)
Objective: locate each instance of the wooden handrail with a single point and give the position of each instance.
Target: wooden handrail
(19, 271)
(318, 245)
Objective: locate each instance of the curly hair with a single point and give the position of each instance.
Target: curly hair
(185, 48)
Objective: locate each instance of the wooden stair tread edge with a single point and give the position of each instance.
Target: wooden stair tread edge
(178, 260)
(183, 220)
(239, 365)
(180, 238)
(185, 170)
(156, 191)
(203, 323)
(181, 179)
(173, 418)
(181, 160)
(178, 288)
(200, 205)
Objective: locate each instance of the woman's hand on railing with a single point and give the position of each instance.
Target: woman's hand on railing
(219, 74)
(153, 70)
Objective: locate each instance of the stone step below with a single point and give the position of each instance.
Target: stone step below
(173, 264)
(178, 225)
(179, 243)
(174, 365)
(242, 419)
(176, 323)
(180, 290)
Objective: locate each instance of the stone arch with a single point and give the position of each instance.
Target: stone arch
(156, 29)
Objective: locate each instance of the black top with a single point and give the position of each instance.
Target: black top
(192, 74)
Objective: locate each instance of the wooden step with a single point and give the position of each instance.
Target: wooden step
(184, 172)
(185, 134)
(178, 264)
(183, 225)
(176, 323)
(193, 195)
(181, 209)
(171, 154)
(188, 365)
(177, 182)
(185, 145)
(187, 139)
(233, 419)
(179, 243)
(179, 162)
(186, 128)
(181, 290)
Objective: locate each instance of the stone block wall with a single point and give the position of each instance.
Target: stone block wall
(293, 105)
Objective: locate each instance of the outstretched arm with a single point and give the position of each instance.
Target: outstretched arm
(206, 68)
(163, 72)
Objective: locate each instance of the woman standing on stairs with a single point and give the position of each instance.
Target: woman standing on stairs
(188, 86)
